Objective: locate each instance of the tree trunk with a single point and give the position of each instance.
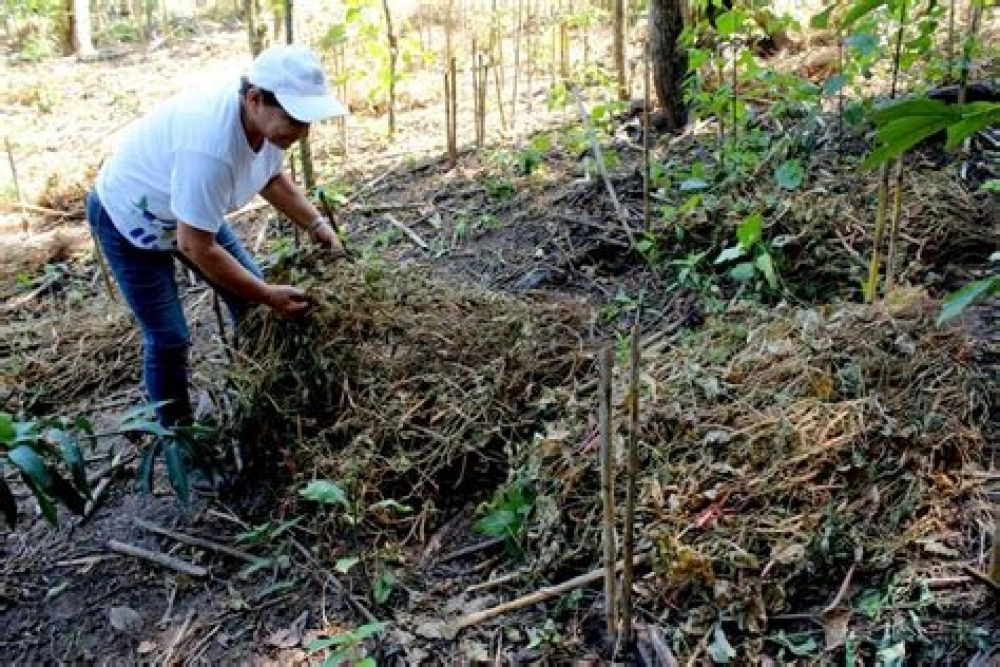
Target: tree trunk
(80, 39)
(618, 26)
(669, 59)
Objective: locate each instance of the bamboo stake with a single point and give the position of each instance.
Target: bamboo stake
(897, 210)
(883, 189)
(517, 68)
(393, 55)
(632, 472)
(608, 497)
(647, 162)
(17, 185)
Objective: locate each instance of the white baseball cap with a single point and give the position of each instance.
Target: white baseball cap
(295, 76)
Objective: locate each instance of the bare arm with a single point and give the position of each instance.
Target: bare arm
(289, 198)
(223, 269)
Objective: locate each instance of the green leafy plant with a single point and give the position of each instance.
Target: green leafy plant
(903, 125)
(348, 647)
(758, 262)
(506, 514)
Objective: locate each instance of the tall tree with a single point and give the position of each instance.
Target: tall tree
(78, 34)
(669, 59)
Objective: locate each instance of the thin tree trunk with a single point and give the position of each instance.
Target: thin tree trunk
(618, 26)
(393, 54)
(81, 41)
(669, 60)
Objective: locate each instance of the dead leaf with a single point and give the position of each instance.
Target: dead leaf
(435, 629)
(835, 622)
(125, 619)
(146, 647)
(291, 636)
(938, 549)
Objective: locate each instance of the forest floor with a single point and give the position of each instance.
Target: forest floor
(549, 234)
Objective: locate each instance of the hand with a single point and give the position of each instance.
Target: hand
(323, 235)
(287, 300)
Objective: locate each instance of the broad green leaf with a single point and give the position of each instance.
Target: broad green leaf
(44, 503)
(382, 586)
(145, 411)
(326, 492)
(31, 466)
(147, 464)
(742, 272)
(864, 44)
(969, 126)
(344, 565)
(834, 84)
(730, 23)
(8, 503)
(766, 266)
(7, 431)
(498, 523)
(749, 230)
(73, 456)
(720, 650)
(822, 20)
(370, 629)
(900, 136)
(858, 10)
(956, 302)
(790, 174)
(173, 457)
(367, 662)
(923, 106)
(992, 185)
(729, 254)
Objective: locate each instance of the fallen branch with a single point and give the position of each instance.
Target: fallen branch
(595, 145)
(163, 560)
(471, 549)
(199, 542)
(541, 595)
(409, 232)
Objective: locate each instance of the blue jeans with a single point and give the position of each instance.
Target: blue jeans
(146, 280)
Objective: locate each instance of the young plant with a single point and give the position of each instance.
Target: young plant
(757, 260)
(348, 647)
(506, 515)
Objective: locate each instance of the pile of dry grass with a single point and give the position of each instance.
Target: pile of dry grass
(49, 363)
(783, 453)
(399, 385)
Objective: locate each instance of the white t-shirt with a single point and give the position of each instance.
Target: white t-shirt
(188, 160)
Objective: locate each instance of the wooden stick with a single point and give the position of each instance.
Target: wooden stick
(630, 491)
(198, 542)
(595, 146)
(17, 185)
(163, 560)
(409, 232)
(541, 595)
(608, 495)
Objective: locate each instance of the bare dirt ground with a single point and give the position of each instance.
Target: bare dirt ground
(65, 597)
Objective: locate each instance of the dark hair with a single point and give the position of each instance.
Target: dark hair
(266, 96)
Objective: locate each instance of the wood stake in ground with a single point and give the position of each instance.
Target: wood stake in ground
(608, 496)
(632, 474)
